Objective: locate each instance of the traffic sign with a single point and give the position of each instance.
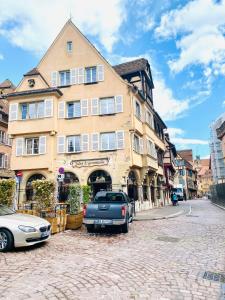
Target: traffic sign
(19, 174)
(61, 170)
(60, 177)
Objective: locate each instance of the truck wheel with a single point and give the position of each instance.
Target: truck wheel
(6, 240)
(125, 227)
(90, 228)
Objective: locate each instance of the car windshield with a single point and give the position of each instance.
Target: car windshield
(4, 211)
(110, 197)
(177, 190)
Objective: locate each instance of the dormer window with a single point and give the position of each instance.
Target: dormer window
(69, 46)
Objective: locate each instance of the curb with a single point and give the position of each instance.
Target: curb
(161, 218)
(221, 207)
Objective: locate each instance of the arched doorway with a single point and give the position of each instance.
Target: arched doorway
(132, 186)
(63, 191)
(100, 181)
(29, 188)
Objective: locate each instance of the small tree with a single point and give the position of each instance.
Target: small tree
(7, 191)
(74, 198)
(44, 193)
(86, 190)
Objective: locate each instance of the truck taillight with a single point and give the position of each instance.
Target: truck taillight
(123, 211)
(84, 210)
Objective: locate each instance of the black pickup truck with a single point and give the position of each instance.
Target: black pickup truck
(109, 209)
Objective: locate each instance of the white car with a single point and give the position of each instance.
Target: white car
(20, 230)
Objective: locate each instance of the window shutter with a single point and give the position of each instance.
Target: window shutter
(141, 145)
(80, 75)
(5, 162)
(95, 141)
(61, 110)
(100, 72)
(120, 139)
(54, 79)
(19, 146)
(132, 139)
(73, 76)
(119, 104)
(13, 111)
(85, 142)
(48, 108)
(94, 107)
(42, 145)
(61, 144)
(84, 107)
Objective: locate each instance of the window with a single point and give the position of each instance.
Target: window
(64, 78)
(151, 149)
(32, 110)
(149, 119)
(108, 141)
(91, 74)
(2, 160)
(107, 106)
(137, 110)
(136, 144)
(2, 137)
(74, 109)
(32, 146)
(69, 46)
(74, 143)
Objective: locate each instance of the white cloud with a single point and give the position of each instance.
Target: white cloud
(199, 28)
(177, 137)
(32, 25)
(1, 56)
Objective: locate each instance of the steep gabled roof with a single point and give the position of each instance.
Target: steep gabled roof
(32, 72)
(7, 84)
(131, 66)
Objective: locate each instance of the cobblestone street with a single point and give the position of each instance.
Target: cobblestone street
(161, 259)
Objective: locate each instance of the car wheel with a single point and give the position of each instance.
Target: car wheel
(6, 240)
(125, 227)
(90, 228)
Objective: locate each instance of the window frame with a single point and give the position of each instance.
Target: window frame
(64, 73)
(36, 105)
(108, 141)
(67, 109)
(138, 148)
(74, 145)
(91, 75)
(32, 145)
(137, 109)
(107, 106)
(69, 46)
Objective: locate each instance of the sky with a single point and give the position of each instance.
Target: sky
(184, 42)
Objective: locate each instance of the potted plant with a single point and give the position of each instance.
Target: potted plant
(7, 191)
(86, 190)
(75, 216)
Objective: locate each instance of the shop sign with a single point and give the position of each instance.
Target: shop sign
(89, 162)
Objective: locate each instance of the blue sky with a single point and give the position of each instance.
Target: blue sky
(184, 42)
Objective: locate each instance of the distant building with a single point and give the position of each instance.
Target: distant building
(217, 155)
(204, 177)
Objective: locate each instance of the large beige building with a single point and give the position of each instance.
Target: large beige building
(97, 122)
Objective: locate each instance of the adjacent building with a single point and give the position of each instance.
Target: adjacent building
(96, 123)
(204, 176)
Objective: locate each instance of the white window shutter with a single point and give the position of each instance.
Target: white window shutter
(100, 72)
(48, 108)
(141, 145)
(54, 79)
(73, 76)
(132, 139)
(84, 107)
(94, 107)
(85, 142)
(42, 145)
(19, 146)
(13, 111)
(95, 141)
(5, 161)
(61, 144)
(120, 139)
(80, 75)
(119, 104)
(61, 110)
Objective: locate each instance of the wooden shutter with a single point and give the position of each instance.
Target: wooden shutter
(94, 107)
(95, 141)
(73, 76)
(6, 161)
(120, 139)
(84, 107)
(141, 145)
(48, 108)
(13, 111)
(19, 146)
(61, 144)
(80, 75)
(54, 79)
(61, 110)
(85, 142)
(119, 104)
(100, 73)
(42, 144)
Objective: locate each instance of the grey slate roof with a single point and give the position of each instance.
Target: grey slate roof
(131, 66)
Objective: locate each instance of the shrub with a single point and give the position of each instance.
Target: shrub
(44, 193)
(74, 198)
(86, 189)
(7, 191)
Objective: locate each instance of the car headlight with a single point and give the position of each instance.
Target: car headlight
(27, 228)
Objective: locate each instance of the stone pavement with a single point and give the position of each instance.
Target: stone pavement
(165, 212)
(163, 259)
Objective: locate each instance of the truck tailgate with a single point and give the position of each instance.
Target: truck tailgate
(104, 211)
